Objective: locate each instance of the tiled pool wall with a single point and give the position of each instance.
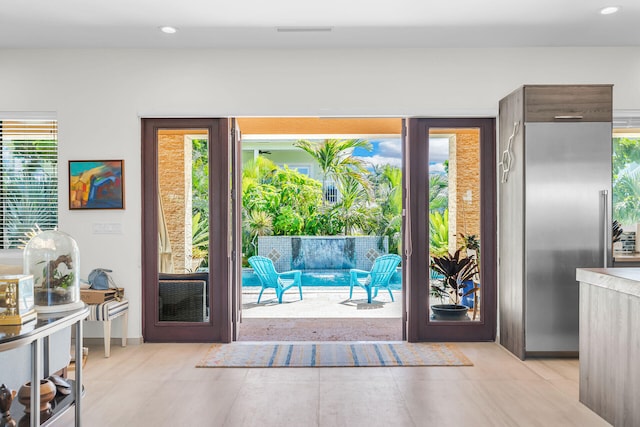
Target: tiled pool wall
(365, 249)
(628, 242)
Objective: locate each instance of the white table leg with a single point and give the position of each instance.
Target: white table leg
(107, 338)
(125, 327)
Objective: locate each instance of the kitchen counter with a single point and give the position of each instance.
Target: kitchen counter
(610, 343)
(626, 257)
(625, 280)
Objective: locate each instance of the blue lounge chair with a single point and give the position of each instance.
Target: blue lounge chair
(270, 278)
(378, 278)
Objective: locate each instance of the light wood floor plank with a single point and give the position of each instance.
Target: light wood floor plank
(158, 385)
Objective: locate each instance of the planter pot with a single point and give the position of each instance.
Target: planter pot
(467, 300)
(450, 312)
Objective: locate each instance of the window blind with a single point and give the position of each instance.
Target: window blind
(28, 178)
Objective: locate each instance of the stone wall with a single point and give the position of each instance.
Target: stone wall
(464, 185)
(174, 174)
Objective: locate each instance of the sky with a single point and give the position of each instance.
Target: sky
(389, 152)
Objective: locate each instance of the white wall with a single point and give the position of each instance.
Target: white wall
(100, 95)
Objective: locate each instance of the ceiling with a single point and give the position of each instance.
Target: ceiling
(345, 23)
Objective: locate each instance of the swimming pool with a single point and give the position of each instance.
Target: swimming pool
(319, 278)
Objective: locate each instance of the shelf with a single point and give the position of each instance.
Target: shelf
(59, 405)
(35, 334)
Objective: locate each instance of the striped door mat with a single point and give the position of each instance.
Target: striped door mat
(332, 354)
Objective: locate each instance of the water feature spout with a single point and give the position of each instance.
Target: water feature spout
(315, 253)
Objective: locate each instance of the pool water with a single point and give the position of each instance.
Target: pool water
(319, 278)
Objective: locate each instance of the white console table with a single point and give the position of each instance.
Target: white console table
(36, 334)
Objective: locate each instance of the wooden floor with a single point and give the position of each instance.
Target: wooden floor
(158, 385)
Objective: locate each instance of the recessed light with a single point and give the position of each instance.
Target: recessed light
(168, 30)
(609, 10)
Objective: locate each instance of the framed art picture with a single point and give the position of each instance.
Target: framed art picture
(96, 184)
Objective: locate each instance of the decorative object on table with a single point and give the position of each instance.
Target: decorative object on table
(100, 279)
(47, 393)
(456, 269)
(63, 387)
(6, 397)
(92, 296)
(102, 287)
(53, 258)
(96, 184)
(16, 299)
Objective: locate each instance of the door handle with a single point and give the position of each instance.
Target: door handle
(506, 160)
(606, 239)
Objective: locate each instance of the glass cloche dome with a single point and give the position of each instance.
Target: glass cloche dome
(52, 257)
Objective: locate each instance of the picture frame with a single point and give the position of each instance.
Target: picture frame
(96, 184)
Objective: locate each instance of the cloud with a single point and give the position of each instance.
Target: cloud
(378, 160)
(390, 148)
(436, 168)
(438, 149)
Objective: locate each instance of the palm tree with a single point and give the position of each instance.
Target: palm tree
(336, 161)
(257, 171)
(389, 195)
(626, 198)
(353, 208)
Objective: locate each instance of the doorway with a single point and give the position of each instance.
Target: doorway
(452, 260)
(181, 301)
(222, 293)
(321, 196)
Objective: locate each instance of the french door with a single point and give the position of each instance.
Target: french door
(451, 206)
(187, 244)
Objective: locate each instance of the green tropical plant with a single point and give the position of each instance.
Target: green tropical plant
(258, 223)
(387, 204)
(439, 232)
(471, 242)
(626, 198)
(200, 238)
(626, 182)
(438, 192)
(455, 269)
(353, 209)
(200, 176)
(336, 161)
(31, 201)
(625, 152)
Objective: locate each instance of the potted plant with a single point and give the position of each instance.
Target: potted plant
(455, 270)
(472, 244)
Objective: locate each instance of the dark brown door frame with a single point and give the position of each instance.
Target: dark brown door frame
(218, 329)
(420, 328)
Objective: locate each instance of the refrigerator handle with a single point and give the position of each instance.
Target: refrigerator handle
(606, 237)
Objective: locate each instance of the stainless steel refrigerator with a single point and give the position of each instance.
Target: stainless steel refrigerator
(554, 210)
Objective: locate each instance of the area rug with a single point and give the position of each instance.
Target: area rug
(332, 354)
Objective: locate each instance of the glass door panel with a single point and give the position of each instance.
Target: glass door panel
(183, 225)
(454, 224)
